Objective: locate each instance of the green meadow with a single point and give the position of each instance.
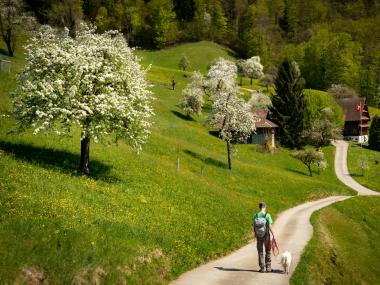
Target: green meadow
(370, 176)
(137, 219)
(345, 247)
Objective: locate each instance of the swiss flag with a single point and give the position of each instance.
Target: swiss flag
(359, 108)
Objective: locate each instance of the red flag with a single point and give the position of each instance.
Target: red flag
(359, 108)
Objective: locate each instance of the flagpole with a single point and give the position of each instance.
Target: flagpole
(361, 127)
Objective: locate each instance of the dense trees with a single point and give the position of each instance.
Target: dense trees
(332, 41)
(85, 87)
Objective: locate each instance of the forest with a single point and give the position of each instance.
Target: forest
(333, 41)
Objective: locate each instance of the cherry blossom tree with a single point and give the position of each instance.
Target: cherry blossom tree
(259, 101)
(192, 96)
(222, 75)
(253, 68)
(93, 82)
(230, 115)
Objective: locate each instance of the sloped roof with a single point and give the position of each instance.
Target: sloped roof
(349, 106)
(263, 122)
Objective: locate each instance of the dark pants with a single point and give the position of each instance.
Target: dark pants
(261, 243)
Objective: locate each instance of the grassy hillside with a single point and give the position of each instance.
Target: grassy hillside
(370, 177)
(345, 247)
(200, 55)
(137, 219)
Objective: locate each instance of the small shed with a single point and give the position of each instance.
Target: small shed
(265, 129)
(356, 117)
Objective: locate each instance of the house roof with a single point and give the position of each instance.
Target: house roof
(349, 106)
(263, 122)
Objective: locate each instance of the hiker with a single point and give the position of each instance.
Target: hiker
(173, 84)
(262, 227)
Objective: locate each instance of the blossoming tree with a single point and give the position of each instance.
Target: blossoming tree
(221, 75)
(230, 115)
(192, 96)
(93, 82)
(259, 101)
(253, 68)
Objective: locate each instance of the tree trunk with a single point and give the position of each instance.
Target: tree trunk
(10, 49)
(309, 167)
(251, 81)
(84, 166)
(241, 81)
(229, 155)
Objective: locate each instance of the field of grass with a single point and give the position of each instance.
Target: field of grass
(371, 176)
(345, 248)
(137, 219)
(373, 111)
(200, 55)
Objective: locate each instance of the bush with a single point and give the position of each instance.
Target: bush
(317, 101)
(374, 133)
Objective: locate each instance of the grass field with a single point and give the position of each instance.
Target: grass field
(371, 176)
(137, 219)
(345, 247)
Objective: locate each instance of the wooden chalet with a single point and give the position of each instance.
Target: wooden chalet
(265, 129)
(356, 118)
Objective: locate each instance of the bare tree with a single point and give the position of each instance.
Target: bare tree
(10, 22)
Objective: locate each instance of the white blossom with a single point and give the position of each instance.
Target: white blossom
(192, 96)
(222, 74)
(93, 81)
(259, 101)
(253, 67)
(230, 115)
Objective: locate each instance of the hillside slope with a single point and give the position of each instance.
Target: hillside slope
(137, 218)
(345, 248)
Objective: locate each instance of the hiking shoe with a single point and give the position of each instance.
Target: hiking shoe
(261, 270)
(269, 269)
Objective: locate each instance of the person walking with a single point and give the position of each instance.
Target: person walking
(262, 228)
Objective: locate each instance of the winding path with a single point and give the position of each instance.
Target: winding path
(293, 231)
(341, 169)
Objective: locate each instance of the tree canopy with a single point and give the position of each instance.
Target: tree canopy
(93, 81)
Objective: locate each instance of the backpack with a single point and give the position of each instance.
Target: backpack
(260, 226)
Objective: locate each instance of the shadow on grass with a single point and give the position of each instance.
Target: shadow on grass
(246, 270)
(207, 160)
(356, 175)
(214, 133)
(4, 52)
(60, 160)
(298, 172)
(183, 117)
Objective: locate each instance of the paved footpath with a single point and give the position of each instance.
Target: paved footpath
(341, 169)
(293, 231)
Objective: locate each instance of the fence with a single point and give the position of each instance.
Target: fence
(5, 65)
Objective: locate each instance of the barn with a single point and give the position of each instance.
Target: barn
(356, 118)
(265, 129)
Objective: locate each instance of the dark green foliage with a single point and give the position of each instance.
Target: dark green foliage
(374, 133)
(289, 104)
(334, 42)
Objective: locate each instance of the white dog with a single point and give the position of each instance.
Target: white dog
(286, 260)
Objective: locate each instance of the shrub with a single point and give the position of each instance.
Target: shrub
(374, 133)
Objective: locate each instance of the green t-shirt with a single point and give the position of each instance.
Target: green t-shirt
(268, 217)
